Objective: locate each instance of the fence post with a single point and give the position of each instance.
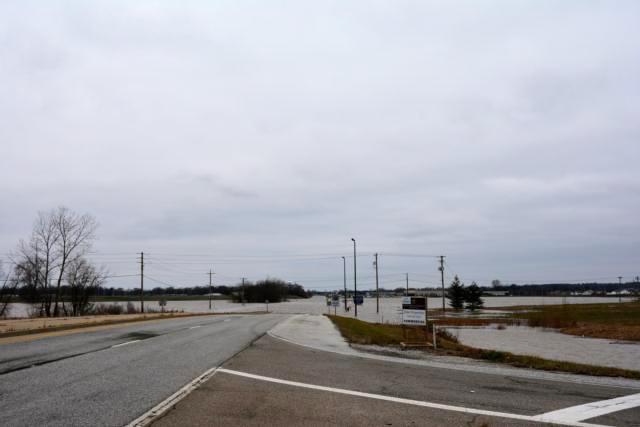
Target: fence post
(434, 337)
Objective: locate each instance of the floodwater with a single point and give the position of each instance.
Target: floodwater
(389, 310)
(553, 345)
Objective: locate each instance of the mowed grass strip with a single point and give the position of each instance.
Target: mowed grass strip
(359, 332)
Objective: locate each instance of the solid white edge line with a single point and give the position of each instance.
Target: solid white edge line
(404, 401)
(195, 327)
(124, 343)
(412, 362)
(159, 410)
(592, 410)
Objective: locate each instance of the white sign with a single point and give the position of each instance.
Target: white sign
(335, 303)
(406, 300)
(414, 317)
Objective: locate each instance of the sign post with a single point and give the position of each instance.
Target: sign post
(335, 302)
(414, 313)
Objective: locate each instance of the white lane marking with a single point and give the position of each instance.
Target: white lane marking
(227, 320)
(591, 410)
(124, 343)
(195, 327)
(517, 372)
(401, 400)
(159, 410)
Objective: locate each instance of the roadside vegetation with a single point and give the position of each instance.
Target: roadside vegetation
(359, 332)
(50, 268)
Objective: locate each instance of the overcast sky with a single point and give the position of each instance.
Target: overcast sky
(502, 134)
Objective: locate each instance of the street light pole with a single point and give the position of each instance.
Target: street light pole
(377, 292)
(619, 288)
(355, 282)
(407, 277)
(441, 268)
(344, 275)
(210, 290)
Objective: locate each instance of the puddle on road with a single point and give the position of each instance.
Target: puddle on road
(138, 335)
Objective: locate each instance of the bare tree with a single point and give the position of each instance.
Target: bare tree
(59, 238)
(76, 234)
(83, 280)
(7, 290)
(37, 260)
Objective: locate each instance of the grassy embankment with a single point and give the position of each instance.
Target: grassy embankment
(11, 328)
(359, 332)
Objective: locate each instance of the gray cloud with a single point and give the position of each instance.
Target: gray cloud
(503, 134)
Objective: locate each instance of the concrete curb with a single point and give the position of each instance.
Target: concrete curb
(484, 368)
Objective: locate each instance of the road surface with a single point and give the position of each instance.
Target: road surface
(113, 376)
(110, 377)
(276, 383)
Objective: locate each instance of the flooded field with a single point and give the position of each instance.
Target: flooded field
(553, 345)
(388, 312)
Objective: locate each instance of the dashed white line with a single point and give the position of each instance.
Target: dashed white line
(402, 400)
(195, 327)
(591, 410)
(227, 320)
(124, 343)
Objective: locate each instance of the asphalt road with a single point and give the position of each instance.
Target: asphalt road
(230, 399)
(110, 377)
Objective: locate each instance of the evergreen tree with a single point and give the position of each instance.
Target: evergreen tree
(472, 297)
(456, 294)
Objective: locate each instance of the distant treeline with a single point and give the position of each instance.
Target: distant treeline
(564, 288)
(275, 288)
(272, 290)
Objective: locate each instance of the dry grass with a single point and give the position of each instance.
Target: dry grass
(358, 332)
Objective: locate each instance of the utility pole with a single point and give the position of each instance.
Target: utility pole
(210, 289)
(344, 274)
(355, 283)
(441, 268)
(406, 275)
(377, 292)
(141, 282)
(619, 288)
(38, 276)
(242, 297)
